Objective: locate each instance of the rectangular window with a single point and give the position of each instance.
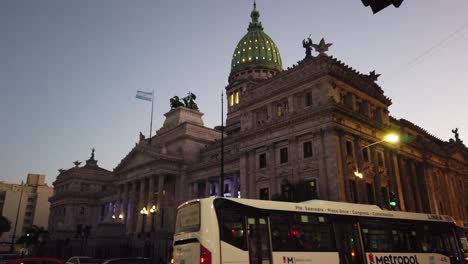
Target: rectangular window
(307, 149)
(231, 99)
(365, 154)
(308, 99)
(312, 190)
(264, 194)
(349, 148)
(281, 109)
(262, 160)
(370, 193)
(353, 191)
(385, 196)
(283, 155)
(237, 98)
(380, 159)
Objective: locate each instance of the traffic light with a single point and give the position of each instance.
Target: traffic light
(393, 200)
(377, 5)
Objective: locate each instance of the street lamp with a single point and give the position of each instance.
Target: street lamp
(390, 138)
(120, 217)
(153, 211)
(143, 213)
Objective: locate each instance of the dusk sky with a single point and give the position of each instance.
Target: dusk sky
(70, 70)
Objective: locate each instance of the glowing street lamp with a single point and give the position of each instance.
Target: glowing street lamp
(390, 138)
(143, 213)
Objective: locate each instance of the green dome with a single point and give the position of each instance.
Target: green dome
(255, 49)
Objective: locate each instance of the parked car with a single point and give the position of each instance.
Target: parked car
(34, 261)
(82, 260)
(4, 257)
(130, 261)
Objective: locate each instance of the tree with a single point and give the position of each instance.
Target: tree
(5, 225)
(34, 239)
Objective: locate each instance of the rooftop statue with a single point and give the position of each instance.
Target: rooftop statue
(175, 102)
(188, 101)
(373, 76)
(307, 44)
(455, 132)
(322, 47)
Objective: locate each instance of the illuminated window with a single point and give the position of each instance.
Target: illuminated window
(231, 99)
(237, 97)
(281, 109)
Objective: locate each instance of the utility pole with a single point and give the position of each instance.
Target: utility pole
(12, 247)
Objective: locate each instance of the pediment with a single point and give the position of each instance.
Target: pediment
(135, 159)
(459, 156)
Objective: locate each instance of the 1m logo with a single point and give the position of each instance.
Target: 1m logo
(289, 260)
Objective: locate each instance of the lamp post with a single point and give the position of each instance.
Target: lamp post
(153, 211)
(390, 138)
(143, 213)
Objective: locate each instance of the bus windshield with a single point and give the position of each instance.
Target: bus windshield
(188, 218)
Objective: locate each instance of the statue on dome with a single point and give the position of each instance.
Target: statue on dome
(307, 44)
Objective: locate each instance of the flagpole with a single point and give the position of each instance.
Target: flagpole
(151, 122)
(221, 180)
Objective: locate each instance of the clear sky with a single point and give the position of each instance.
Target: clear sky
(69, 70)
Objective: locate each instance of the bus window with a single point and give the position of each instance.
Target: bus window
(380, 236)
(258, 239)
(313, 233)
(281, 233)
(188, 218)
(233, 230)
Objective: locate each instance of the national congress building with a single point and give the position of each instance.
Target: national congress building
(309, 127)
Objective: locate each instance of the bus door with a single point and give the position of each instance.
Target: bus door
(258, 239)
(348, 241)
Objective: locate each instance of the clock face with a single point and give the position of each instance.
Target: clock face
(306, 41)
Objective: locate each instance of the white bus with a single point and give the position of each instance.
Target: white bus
(235, 231)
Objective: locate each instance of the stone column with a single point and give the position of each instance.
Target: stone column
(377, 177)
(360, 183)
(235, 185)
(396, 163)
(141, 203)
(244, 178)
(161, 205)
(322, 166)
(150, 201)
(345, 173)
(124, 206)
(118, 203)
(133, 218)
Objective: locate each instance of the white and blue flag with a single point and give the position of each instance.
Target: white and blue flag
(147, 96)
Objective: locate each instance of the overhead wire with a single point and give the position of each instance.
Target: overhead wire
(425, 54)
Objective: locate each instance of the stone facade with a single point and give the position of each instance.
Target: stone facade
(83, 197)
(311, 125)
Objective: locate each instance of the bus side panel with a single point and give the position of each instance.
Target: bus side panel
(187, 253)
(233, 255)
(306, 257)
(404, 258)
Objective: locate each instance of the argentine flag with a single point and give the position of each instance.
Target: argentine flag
(145, 96)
